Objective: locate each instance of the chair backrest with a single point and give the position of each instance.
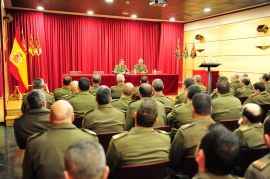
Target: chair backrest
(75, 72)
(166, 128)
(189, 166)
(155, 170)
(265, 108)
(243, 99)
(105, 138)
(231, 124)
(78, 121)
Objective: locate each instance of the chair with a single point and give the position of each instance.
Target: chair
(265, 108)
(105, 138)
(154, 170)
(246, 157)
(231, 124)
(243, 99)
(78, 121)
(166, 128)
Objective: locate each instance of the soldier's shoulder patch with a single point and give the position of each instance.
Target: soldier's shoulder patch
(163, 132)
(118, 136)
(186, 126)
(261, 164)
(35, 136)
(88, 131)
(244, 128)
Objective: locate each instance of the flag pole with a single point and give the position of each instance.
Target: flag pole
(39, 75)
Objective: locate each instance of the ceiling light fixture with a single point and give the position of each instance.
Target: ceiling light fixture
(40, 8)
(134, 16)
(172, 19)
(90, 12)
(207, 9)
(109, 1)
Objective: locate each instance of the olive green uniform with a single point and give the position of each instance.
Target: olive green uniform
(59, 93)
(140, 68)
(214, 93)
(105, 118)
(70, 96)
(267, 86)
(82, 103)
(203, 88)
(208, 175)
(244, 91)
(116, 91)
(250, 135)
(49, 101)
(186, 140)
(226, 107)
(260, 99)
(31, 122)
(44, 156)
(133, 107)
(168, 102)
(120, 69)
(260, 169)
(180, 115)
(93, 89)
(181, 98)
(122, 103)
(235, 85)
(139, 145)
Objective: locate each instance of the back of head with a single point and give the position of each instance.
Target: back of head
(188, 81)
(266, 76)
(253, 112)
(197, 78)
(61, 112)
(158, 85)
(147, 112)
(96, 78)
(38, 83)
(192, 90)
(144, 79)
(245, 81)
(120, 78)
(202, 104)
(85, 160)
(223, 86)
(67, 80)
(103, 95)
(128, 89)
(84, 84)
(35, 99)
(235, 76)
(223, 78)
(221, 148)
(245, 75)
(259, 86)
(74, 86)
(145, 90)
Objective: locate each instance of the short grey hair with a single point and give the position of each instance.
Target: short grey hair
(198, 78)
(157, 84)
(120, 78)
(35, 99)
(235, 75)
(38, 83)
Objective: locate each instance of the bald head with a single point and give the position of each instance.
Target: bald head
(252, 112)
(145, 90)
(74, 86)
(61, 112)
(128, 89)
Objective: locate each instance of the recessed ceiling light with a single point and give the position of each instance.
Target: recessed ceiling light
(207, 9)
(90, 12)
(127, 2)
(40, 8)
(172, 19)
(134, 16)
(109, 1)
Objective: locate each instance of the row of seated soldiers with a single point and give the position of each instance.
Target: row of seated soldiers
(100, 120)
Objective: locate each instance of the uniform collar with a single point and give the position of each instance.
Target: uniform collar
(226, 94)
(141, 129)
(38, 110)
(204, 120)
(63, 126)
(84, 93)
(125, 98)
(105, 106)
(263, 93)
(159, 95)
(95, 85)
(66, 88)
(120, 84)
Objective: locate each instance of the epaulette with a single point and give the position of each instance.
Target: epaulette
(117, 136)
(34, 136)
(163, 132)
(261, 163)
(187, 126)
(178, 105)
(115, 100)
(88, 112)
(168, 97)
(89, 131)
(244, 128)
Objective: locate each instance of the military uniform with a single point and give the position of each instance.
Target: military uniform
(244, 91)
(67, 97)
(135, 95)
(133, 107)
(186, 140)
(139, 145)
(122, 103)
(267, 86)
(168, 102)
(49, 101)
(44, 156)
(226, 107)
(31, 122)
(140, 68)
(260, 169)
(203, 88)
(260, 99)
(93, 89)
(235, 85)
(117, 90)
(180, 115)
(82, 103)
(208, 175)
(59, 93)
(120, 69)
(105, 118)
(250, 135)
(181, 98)
(214, 93)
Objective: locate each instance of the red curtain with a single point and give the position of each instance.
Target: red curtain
(90, 44)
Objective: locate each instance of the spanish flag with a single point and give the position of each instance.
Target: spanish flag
(18, 63)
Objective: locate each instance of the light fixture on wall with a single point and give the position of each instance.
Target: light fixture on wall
(262, 28)
(201, 39)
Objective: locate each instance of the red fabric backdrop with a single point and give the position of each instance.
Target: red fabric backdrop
(90, 44)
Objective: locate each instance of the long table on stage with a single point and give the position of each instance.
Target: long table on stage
(170, 80)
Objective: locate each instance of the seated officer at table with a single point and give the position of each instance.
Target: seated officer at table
(140, 68)
(142, 144)
(121, 68)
